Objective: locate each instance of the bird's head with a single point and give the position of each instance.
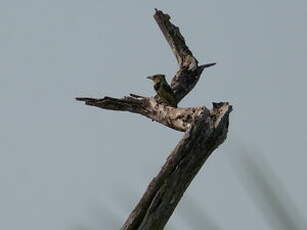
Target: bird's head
(157, 78)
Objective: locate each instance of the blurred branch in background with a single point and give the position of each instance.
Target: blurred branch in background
(267, 191)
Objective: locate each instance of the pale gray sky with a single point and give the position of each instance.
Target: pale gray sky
(64, 165)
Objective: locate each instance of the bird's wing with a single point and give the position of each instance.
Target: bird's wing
(168, 94)
(157, 86)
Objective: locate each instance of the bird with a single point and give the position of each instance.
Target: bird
(163, 89)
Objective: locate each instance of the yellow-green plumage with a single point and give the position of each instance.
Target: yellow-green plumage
(163, 89)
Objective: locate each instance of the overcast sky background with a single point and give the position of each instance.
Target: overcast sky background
(64, 165)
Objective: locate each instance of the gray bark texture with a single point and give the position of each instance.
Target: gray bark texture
(204, 129)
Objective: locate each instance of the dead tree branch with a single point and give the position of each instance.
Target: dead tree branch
(176, 118)
(189, 72)
(204, 131)
(166, 189)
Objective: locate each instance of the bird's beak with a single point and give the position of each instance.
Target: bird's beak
(150, 77)
(208, 65)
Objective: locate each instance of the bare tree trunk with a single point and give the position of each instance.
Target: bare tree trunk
(204, 131)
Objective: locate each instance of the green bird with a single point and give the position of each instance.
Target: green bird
(163, 89)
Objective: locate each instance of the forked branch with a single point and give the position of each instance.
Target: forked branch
(166, 189)
(204, 131)
(183, 82)
(189, 72)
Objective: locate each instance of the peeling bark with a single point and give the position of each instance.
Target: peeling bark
(204, 131)
(176, 118)
(189, 72)
(166, 189)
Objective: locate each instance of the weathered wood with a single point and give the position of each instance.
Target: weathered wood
(176, 118)
(176, 41)
(166, 189)
(189, 72)
(183, 82)
(204, 131)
